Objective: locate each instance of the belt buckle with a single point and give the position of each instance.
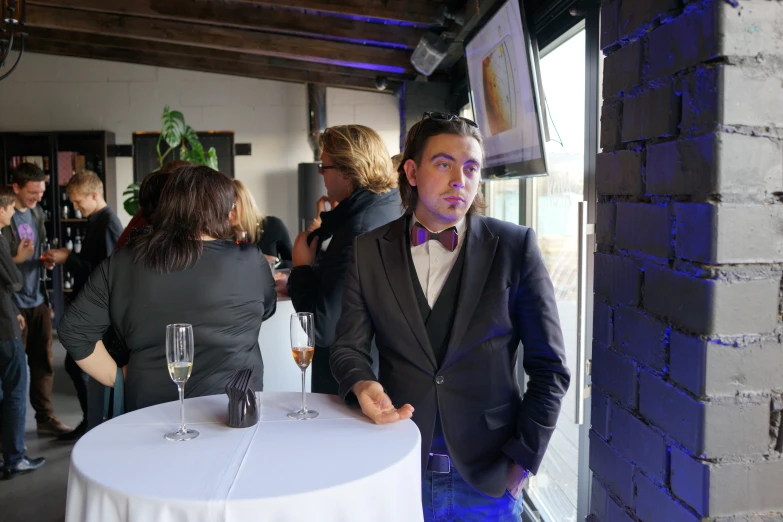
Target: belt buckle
(448, 462)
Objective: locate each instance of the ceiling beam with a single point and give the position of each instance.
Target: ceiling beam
(421, 12)
(283, 46)
(245, 15)
(96, 40)
(201, 64)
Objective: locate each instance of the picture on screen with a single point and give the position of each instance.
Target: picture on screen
(505, 98)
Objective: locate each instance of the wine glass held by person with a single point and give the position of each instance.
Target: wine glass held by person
(187, 269)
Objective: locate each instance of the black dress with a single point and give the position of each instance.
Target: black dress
(275, 240)
(225, 296)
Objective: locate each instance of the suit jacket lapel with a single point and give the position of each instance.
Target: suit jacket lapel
(395, 262)
(478, 261)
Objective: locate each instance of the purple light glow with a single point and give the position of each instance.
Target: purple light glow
(367, 66)
(358, 18)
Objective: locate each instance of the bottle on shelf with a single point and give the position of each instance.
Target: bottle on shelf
(45, 207)
(68, 239)
(77, 243)
(77, 213)
(66, 207)
(67, 283)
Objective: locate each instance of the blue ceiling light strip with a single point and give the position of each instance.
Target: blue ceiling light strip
(358, 18)
(367, 66)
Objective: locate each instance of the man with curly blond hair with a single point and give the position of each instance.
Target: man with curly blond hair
(362, 190)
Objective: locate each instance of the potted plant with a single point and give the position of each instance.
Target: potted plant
(175, 133)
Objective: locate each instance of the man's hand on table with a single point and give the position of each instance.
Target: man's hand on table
(377, 406)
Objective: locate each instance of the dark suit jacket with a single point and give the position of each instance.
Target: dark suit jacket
(506, 297)
(319, 289)
(103, 231)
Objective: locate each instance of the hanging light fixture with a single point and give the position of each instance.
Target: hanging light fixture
(12, 21)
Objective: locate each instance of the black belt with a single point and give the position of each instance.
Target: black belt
(438, 463)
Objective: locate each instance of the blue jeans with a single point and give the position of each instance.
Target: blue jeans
(13, 373)
(446, 497)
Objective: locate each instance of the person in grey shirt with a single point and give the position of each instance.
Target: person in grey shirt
(24, 236)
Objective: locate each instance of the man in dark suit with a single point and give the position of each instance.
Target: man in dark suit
(448, 296)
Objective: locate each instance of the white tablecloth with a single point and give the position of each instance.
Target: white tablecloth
(338, 467)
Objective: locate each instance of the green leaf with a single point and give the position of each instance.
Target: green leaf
(132, 204)
(212, 160)
(172, 126)
(196, 149)
(178, 135)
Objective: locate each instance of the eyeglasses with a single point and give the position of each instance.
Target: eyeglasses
(322, 167)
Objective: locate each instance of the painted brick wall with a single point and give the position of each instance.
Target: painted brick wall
(687, 353)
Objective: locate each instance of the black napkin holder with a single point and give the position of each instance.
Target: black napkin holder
(242, 404)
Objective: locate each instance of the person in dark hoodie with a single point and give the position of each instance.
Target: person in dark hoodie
(358, 175)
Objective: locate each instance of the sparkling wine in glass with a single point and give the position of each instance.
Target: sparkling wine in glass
(302, 348)
(44, 249)
(179, 357)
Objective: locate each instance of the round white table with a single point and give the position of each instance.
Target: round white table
(337, 467)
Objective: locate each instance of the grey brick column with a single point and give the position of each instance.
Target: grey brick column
(687, 353)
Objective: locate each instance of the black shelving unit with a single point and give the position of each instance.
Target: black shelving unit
(93, 145)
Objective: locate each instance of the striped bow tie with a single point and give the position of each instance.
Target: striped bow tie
(448, 238)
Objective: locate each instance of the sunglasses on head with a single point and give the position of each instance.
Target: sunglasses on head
(438, 116)
(444, 116)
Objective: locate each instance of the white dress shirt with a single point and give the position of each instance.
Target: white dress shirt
(433, 262)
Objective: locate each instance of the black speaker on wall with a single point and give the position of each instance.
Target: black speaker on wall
(311, 188)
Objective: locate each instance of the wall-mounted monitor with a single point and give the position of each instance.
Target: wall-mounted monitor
(502, 69)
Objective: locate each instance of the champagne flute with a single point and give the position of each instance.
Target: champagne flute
(179, 356)
(44, 249)
(302, 348)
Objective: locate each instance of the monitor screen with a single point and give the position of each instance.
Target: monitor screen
(505, 96)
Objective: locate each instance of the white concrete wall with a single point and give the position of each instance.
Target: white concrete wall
(61, 93)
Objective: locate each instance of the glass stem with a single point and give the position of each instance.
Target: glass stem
(304, 406)
(181, 388)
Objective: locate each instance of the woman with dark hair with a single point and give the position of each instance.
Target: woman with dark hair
(187, 269)
(149, 195)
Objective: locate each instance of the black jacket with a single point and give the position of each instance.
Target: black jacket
(505, 297)
(319, 289)
(10, 282)
(103, 230)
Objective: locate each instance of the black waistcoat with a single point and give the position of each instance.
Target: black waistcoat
(440, 318)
